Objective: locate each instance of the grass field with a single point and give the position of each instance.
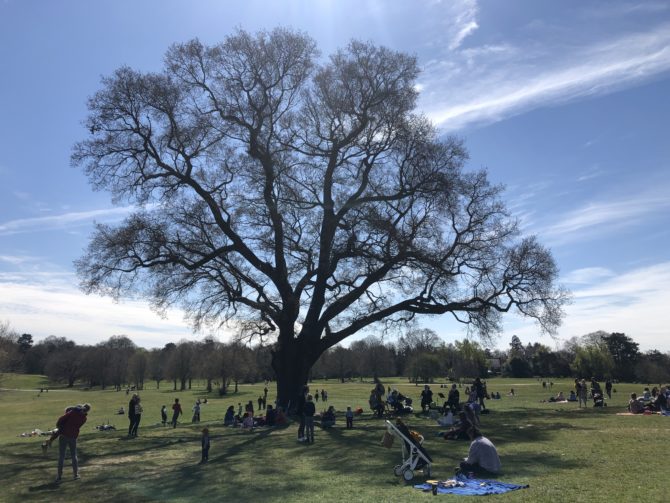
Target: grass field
(562, 452)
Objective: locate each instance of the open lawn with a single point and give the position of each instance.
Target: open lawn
(562, 452)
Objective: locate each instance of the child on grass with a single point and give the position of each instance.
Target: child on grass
(205, 445)
(349, 414)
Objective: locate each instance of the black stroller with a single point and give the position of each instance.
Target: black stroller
(598, 399)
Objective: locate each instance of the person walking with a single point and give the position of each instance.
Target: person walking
(137, 417)
(164, 415)
(176, 412)
(68, 425)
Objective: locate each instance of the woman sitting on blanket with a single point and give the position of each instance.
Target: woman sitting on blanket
(482, 457)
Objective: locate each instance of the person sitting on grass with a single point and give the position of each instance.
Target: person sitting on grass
(328, 418)
(460, 429)
(635, 406)
(229, 418)
(572, 397)
(247, 421)
(453, 400)
(270, 416)
(659, 403)
(482, 458)
(280, 417)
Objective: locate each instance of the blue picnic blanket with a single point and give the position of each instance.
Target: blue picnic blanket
(474, 487)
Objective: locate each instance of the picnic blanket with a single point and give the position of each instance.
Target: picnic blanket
(471, 487)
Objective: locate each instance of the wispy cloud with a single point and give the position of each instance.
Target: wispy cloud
(591, 173)
(18, 260)
(587, 275)
(62, 221)
(587, 221)
(499, 89)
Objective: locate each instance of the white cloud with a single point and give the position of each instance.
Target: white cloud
(62, 221)
(587, 275)
(634, 302)
(599, 217)
(521, 81)
(44, 304)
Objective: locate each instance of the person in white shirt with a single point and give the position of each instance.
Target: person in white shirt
(482, 457)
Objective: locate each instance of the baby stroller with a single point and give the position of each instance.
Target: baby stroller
(414, 456)
(598, 399)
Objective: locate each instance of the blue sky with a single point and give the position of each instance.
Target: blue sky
(566, 103)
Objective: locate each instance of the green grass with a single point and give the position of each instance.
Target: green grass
(564, 453)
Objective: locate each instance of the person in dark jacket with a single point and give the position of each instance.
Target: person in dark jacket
(68, 426)
(300, 411)
(131, 414)
(176, 412)
(308, 412)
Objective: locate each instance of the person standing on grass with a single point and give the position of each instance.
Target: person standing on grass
(164, 415)
(196, 412)
(176, 412)
(582, 395)
(349, 414)
(137, 417)
(68, 425)
(308, 412)
(608, 388)
(131, 414)
(300, 406)
(204, 441)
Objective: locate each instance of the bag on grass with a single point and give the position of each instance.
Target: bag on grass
(387, 440)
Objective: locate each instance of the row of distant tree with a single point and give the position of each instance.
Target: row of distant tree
(419, 355)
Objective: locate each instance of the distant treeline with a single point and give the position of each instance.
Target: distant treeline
(420, 355)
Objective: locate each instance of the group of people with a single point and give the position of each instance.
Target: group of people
(652, 401)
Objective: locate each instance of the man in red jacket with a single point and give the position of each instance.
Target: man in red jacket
(68, 426)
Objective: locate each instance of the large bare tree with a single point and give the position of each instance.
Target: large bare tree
(303, 198)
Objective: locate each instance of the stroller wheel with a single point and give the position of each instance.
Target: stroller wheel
(408, 475)
(397, 470)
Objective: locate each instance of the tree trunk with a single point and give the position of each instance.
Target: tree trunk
(209, 385)
(291, 365)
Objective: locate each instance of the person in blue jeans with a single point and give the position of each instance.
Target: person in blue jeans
(68, 425)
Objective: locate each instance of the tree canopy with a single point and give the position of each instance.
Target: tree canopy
(303, 198)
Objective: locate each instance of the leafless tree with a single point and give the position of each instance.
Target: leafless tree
(300, 197)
